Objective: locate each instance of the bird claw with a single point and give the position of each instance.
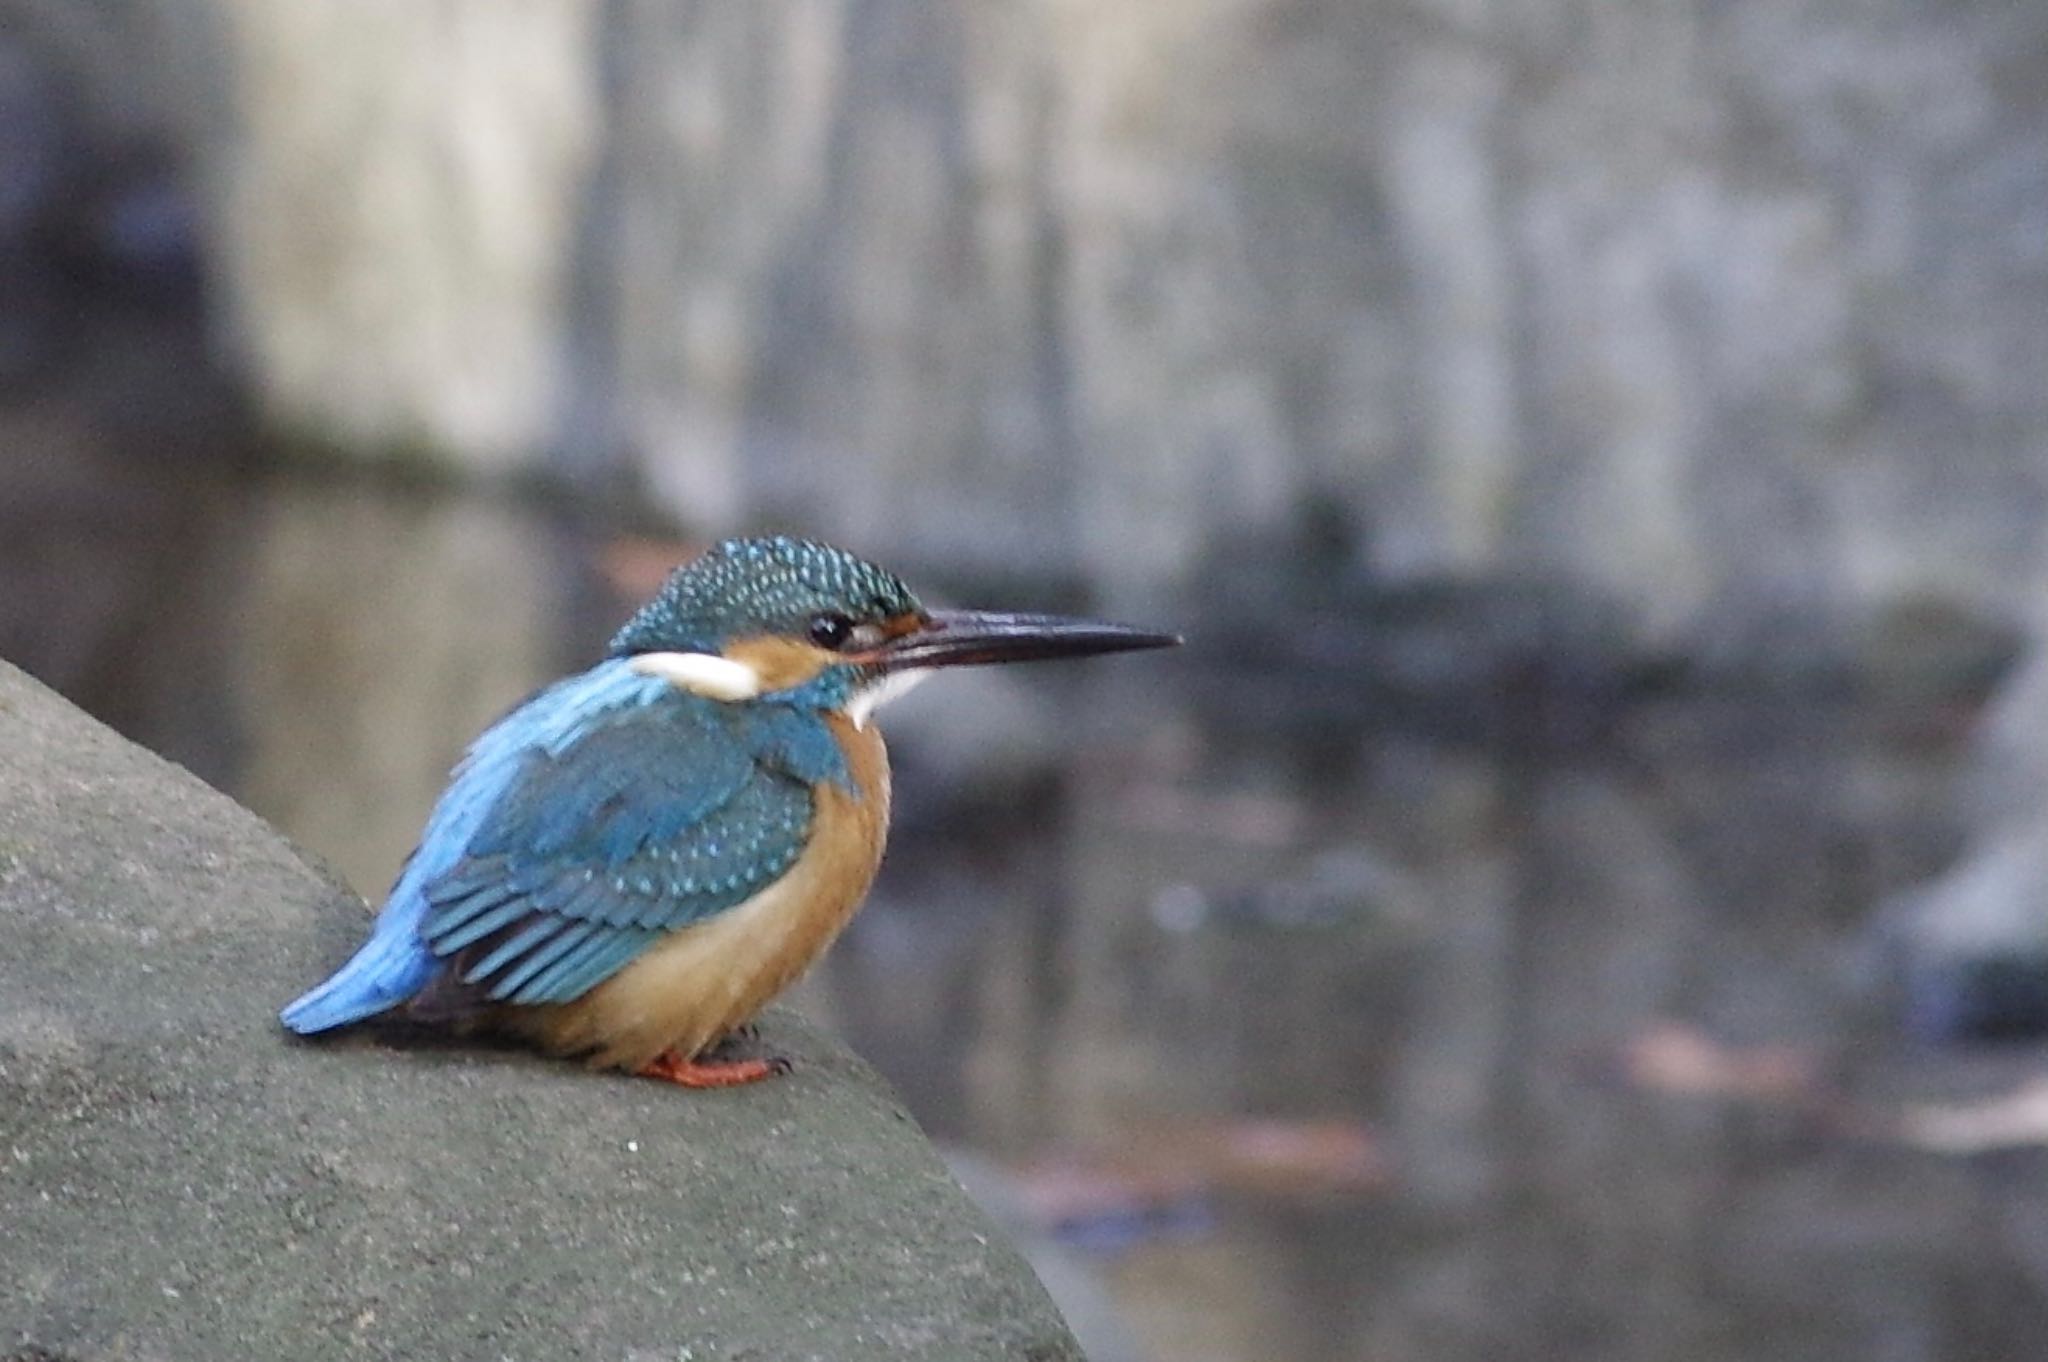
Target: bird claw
(728, 1045)
(671, 1067)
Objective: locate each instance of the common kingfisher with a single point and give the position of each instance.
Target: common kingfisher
(630, 864)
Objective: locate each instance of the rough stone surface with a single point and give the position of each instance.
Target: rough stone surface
(178, 1179)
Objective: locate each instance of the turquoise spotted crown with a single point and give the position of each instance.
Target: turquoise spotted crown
(772, 585)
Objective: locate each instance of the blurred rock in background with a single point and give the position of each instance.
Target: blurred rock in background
(1677, 303)
(1972, 944)
(1678, 306)
(122, 518)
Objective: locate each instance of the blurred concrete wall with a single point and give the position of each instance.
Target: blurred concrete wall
(1686, 300)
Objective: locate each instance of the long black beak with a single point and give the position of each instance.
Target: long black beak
(961, 638)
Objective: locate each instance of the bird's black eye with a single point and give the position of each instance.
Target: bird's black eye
(830, 631)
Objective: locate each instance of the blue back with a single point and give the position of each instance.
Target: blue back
(606, 810)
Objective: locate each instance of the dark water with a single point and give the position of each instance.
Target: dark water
(1311, 1028)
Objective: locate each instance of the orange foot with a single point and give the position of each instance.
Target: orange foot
(692, 1073)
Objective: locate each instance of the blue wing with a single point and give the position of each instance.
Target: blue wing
(606, 811)
(650, 822)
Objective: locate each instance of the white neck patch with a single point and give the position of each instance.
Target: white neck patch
(867, 701)
(705, 674)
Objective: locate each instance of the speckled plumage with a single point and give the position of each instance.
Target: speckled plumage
(695, 983)
(631, 862)
(613, 808)
(394, 965)
(759, 586)
(654, 819)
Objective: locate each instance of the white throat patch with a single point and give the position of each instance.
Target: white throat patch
(705, 674)
(866, 702)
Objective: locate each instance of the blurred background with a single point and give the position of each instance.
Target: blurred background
(1579, 895)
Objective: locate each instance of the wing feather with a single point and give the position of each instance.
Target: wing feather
(652, 818)
(540, 957)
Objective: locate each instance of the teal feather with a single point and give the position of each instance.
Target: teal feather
(523, 940)
(505, 912)
(541, 987)
(760, 586)
(574, 978)
(613, 777)
(662, 815)
(540, 957)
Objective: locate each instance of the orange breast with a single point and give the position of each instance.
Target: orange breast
(698, 983)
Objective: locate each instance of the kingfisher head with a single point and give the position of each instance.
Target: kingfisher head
(791, 618)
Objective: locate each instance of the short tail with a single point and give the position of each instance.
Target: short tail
(391, 967)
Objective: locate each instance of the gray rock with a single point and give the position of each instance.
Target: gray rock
(178, 1179)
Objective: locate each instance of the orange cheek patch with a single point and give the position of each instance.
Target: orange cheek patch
(780, 662)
